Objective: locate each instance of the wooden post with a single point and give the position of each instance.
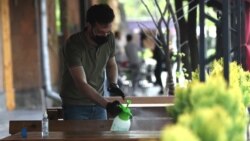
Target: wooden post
(7, 54)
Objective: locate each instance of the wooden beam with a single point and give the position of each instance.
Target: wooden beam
(7, 54)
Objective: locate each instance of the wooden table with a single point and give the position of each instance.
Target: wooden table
(87, 125)
(89, 136)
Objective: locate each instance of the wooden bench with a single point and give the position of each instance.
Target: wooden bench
(55, 113)
(88, 136)
(142, 107)
(55, 125)
(86, 125)
(149, 115)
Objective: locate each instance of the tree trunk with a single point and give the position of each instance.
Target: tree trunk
(183, 35)
(170, 82)
(192, 37)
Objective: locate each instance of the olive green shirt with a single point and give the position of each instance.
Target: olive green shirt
(80, 50)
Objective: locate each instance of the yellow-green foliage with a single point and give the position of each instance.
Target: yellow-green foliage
(178, 133)
(207, 123)
(212, 110)
(245, 87)
(213, 92)
(214, 124)
(238, 78)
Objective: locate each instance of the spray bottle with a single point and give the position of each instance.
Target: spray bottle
(45, 125)
(122, 121)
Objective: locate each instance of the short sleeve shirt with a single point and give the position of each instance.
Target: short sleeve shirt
(80, 50)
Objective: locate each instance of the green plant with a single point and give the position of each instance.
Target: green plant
(172, 133)
(206, 123)
(205, 108)
(238, 78)
(214, 110)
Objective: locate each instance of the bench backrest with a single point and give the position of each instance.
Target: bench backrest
(55, 113)
(149, 107)
(55, 125)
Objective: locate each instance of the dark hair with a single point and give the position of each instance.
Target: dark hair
(100, 13)
(129, 37)
(143, 37)
(117, 34)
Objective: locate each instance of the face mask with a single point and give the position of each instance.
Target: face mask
(100, 39)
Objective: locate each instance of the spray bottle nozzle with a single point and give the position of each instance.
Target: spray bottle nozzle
(128, 102)
(126, 112)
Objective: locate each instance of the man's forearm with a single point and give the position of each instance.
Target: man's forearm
(80, 81)
(92, 94)
(112, 73)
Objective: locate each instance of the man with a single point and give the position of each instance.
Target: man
(120, 55)
(134, 61)
(86, 56)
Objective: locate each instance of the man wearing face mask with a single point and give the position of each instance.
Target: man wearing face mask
(87, 55)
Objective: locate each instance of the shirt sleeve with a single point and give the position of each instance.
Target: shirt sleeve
(72, 53)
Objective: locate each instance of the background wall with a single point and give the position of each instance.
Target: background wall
(1, 59)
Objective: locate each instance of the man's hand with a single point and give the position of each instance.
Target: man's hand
(115, 90)
(113, 108)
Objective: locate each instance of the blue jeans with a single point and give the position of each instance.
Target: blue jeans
(84, 112)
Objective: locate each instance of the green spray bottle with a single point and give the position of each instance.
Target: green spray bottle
(122, 121)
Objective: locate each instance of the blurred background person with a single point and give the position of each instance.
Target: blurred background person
(134, 61)
(158, 55)
(147, 44)
(120, 54)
